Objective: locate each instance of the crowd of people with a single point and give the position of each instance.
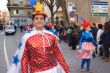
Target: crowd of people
(92, 40)
(101, 34)
(39, 51)
(88, 39)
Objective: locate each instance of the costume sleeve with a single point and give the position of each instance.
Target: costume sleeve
(81, 39)
(60, 57)
(93, 41)
(24, 61)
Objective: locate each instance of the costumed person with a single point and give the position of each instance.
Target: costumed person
(39, 50)
(87, 46)
(51, 29)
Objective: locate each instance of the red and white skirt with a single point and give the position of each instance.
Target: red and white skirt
(88, 46)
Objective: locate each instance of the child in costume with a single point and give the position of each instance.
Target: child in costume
(87, 46)
(51, 29)
(39, 52)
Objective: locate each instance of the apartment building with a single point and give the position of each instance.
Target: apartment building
(20, 12)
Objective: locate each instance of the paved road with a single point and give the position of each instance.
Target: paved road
(11, 42)
(2, 59)
(97, 66)
(8, 45)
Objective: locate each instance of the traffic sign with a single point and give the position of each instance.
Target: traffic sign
(99, 3)
(99, 14)
(99, 8)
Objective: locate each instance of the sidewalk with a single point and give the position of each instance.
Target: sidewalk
(97, 66)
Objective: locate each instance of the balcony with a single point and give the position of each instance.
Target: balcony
(19, 7)
(15, 4)
(27, 5)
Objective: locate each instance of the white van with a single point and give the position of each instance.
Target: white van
(9, 29)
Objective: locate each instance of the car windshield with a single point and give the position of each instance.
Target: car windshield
(9, 27)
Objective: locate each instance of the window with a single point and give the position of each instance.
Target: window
(17, 1)
(29, 13)
(23, 20)
(21, 12)
(15, 12)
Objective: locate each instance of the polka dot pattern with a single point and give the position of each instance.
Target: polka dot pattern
(42, 53)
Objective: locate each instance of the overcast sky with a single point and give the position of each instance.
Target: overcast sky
(3, 4)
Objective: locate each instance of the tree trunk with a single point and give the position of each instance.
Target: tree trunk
(52, 13)
(52, 18)
(51, 6)
(64, 9)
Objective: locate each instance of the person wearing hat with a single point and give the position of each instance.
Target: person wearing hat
(51, 29)
(39, 50)
(87, 46)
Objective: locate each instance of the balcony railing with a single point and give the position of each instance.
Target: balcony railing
(27, 5)
(21, 7)
(14, 4)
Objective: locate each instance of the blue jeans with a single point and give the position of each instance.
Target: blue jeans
(87, 61)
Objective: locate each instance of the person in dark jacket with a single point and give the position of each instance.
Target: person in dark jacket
(73, 39)
(94, 33)
(21, 28)
(105, 39)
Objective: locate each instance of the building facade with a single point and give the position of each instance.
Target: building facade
(20, 12)
(84, 10)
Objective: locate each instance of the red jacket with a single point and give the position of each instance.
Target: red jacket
(42, 53)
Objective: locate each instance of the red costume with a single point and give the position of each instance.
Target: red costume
(39, 50)
(42, 53)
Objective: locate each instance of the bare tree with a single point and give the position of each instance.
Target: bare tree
(64, 9)
(51, 4)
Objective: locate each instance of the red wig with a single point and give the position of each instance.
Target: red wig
(87, 24)
(50, 25)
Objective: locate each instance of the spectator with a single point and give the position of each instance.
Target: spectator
(99, 33)
(94, 33)
(105, 39)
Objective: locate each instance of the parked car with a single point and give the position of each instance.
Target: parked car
(9, 30)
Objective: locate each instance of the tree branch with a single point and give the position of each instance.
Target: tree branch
(54, 4)
(56, 10)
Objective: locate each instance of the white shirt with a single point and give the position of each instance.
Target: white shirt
(100, 31)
